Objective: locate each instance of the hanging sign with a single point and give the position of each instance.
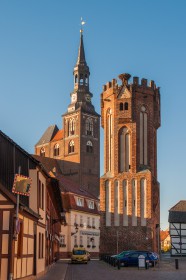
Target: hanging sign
(22, 185)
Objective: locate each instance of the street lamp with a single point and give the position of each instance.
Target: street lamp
(76, 229)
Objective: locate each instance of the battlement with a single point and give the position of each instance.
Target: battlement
(125, 78)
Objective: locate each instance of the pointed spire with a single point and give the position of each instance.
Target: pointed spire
(81, 52)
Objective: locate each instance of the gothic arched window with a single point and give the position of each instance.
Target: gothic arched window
(71, 147)
(71, 127)
(143, 200)
(124, 150)
(81, 79)
(109, 139)
(89, 147)
(89, 126)
(121, 106)
(56, 150)
(143, 136)
(42, 152)
(116, 203)
(126, 106)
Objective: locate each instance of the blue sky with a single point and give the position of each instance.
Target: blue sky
(38, 49)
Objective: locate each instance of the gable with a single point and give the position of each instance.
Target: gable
(124, 93)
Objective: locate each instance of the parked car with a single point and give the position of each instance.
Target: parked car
(122, 254)
(79, 255)
(131, 259)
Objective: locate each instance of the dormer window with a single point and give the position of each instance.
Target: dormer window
(91, 204)
(42, 152)
(80, 202)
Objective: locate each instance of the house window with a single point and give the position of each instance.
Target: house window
(81, 221)
(71, 147)
(80, 201)
(81, 241)
(42, 152)
(62, 241)
(56, 150)
(88, 222)
(88, 241)
(75, 240)
(20, 240)
(41, 245)
(75, 219)
(91, 204)
(89, 147)
(41, 195)
(93, 222)
(89, 127)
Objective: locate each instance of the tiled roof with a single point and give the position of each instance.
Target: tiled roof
(50, 164)
(69, 203)
(59, 135)
(48, 135)
(177, 214)
(164, 234)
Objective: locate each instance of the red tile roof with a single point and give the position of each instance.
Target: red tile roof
(164, 234)
(59, 135)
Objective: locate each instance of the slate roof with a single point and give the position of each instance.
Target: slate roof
(49, 164)
(177, 214)
(48, 135)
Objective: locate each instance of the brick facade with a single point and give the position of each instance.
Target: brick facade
(141, 160)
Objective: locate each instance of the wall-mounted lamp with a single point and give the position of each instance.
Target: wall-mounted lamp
(62, 219)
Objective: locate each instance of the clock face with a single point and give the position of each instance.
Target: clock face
(73, 98)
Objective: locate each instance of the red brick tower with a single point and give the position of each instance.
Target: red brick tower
(129, 190)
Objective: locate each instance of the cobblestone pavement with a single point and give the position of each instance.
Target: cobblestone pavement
(100, 270)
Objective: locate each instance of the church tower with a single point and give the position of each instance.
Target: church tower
(129, 189)
(76, 146)
(82, 128)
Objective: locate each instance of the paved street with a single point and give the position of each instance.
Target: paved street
(100, 270)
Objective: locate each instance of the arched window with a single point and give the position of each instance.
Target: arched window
(71, 127)
(76, 79)
(125, 203)
(42, 152)
(89, 147)
(109, 140)
(143, 136)
(56, 150)
(116, 203)
(124, 150)
(134, 202)
(89, 126)
(143, 200)
(126, 106)
(86, 79)
(71, 147)
(108, 203)
(81, 79)
(121, 106)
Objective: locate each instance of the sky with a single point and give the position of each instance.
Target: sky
(39, 42)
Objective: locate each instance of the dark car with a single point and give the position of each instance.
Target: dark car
(131, 259)
(121, 255)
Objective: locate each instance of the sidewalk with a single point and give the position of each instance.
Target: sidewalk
(57, 271)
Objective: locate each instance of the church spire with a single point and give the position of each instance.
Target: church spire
(81, 54)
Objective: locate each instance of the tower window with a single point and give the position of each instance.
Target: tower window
(124, 150)
(89, 127)
(76, 79)
(71, 147)
(81, 79)
(126, 106)
(71, 128)
(86, 79)
(89, 147)
(143, 136)
(42, 152)
(56, 150)
(121, 106)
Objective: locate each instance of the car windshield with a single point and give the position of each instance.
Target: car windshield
(79, 252)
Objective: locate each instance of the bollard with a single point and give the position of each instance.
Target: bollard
(119, 264)
(176, 264)
(114, 262)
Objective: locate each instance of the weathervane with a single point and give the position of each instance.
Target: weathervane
(82, 23)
